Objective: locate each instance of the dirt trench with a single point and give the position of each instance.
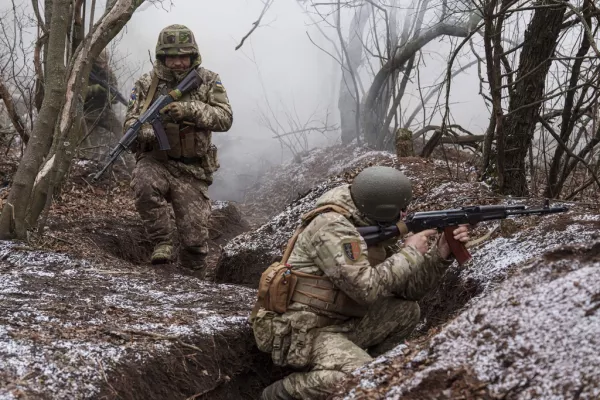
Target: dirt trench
(227, 368)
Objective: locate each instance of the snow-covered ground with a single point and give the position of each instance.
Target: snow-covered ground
(66, 324)
(535, 336)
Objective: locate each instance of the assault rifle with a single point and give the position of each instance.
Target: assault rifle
(109, 88)
(447, 221)
(152, 116)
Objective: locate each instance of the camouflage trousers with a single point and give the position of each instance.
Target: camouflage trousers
(334, 355)
(155, 185)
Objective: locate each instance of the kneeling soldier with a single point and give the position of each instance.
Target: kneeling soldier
(332, 299)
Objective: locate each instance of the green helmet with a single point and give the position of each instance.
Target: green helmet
(380, 193)
(176, 40)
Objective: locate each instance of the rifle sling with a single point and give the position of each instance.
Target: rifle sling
(151, 93)
(402, 228)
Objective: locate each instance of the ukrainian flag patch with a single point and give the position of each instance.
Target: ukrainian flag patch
(132, 98)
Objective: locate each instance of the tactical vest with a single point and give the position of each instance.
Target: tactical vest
(280, 285)
(189, 144)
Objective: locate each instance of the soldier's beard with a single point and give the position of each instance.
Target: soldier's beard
(179, 74)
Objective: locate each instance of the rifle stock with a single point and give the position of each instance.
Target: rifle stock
(448, 220)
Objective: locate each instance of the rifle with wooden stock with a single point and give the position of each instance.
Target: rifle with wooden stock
(448, 220)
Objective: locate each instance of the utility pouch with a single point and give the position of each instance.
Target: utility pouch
(210, 162)
(281, 340)
(303, 328)
(262, 327)
(172, 131)
(188, 141)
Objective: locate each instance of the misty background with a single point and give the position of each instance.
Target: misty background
(277, 73)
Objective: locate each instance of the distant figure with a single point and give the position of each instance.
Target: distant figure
(102, 128)
(181, 175)
(348, 301)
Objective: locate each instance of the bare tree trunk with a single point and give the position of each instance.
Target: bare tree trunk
(12, 219)
(371, 122)
(520, 122)
(347, 103)
(396, 44)
(67, 130)
(568, 122)
(14, 117)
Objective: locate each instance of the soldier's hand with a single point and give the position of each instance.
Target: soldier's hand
(146, 134)
(461, 234)
(176, 110)
(94, 90)
(420, 240)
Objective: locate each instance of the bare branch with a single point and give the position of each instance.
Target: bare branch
(12, 113)
(255, 24)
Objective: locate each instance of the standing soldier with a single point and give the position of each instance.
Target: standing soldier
(346, 298)
(102, 127)
(182, 174)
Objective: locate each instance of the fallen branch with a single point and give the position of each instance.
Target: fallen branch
(463, 140)
(215, 386)
(125, 335)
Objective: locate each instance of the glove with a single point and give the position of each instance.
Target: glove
(94, 90)
(178, 111)
(146, 134)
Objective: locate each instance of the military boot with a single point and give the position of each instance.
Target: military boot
(163, 253)
(276, 391)
(194, 257)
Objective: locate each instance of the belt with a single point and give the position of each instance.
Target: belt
(187, 160)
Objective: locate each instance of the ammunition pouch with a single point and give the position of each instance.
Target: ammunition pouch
(189, 146)
(279, 284)
(319, 292)
(181, 141)
(289, 338)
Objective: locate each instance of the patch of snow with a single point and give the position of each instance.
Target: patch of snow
(493, 260)
(58, 314)
(535, 336)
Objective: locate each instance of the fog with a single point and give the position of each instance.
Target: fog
(277, 66)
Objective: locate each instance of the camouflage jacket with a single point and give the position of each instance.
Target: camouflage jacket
(209, 103)
(97, 97)
(330, 245)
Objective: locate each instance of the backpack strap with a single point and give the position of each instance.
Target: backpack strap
(270, 273)
(306, 219)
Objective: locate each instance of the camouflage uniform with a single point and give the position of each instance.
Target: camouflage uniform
(385, 285)
(102, 127)
(181, 175)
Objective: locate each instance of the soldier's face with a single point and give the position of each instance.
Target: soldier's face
(178, 62)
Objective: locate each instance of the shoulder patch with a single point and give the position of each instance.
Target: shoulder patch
(219, 84)
(132, 98)
(351, 249)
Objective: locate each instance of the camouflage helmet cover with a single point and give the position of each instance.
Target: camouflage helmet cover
(102, 60)
(176, 40)
(381, 193)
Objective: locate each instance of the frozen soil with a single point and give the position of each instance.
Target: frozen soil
(100, 223)
(84, 315)
(289, 182)
(534, 336)
(71, 328)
